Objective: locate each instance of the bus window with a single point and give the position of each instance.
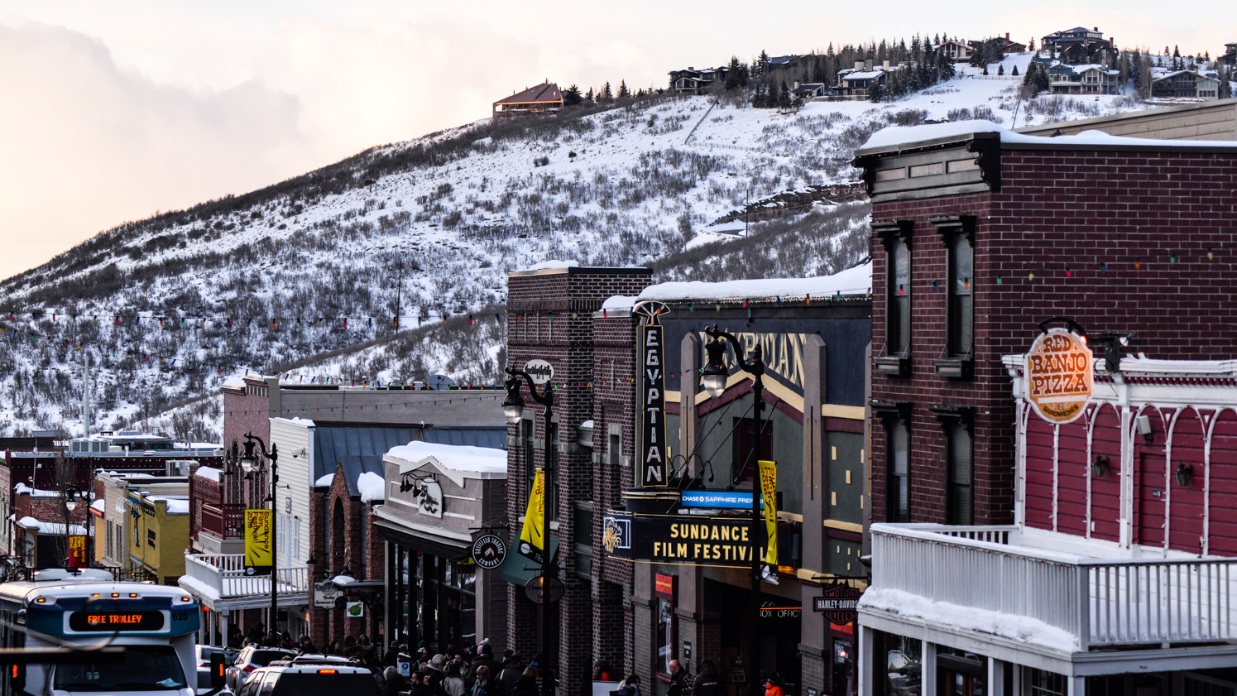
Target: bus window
(143, 668)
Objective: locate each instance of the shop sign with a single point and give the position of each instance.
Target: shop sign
(77, 551)
(325, 594)
(539, 371)
(663, 585)
(488, 551)
(354, 610)
(722, 542)
(1058, 375)
(653, 442)
(839, 603)
(771, 610)
(257, 541)
(721, 500)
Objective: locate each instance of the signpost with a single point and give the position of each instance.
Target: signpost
(488, 551)
(839, 603)
(539, 371)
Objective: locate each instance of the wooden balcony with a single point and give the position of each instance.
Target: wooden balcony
(220, 581)
(226, 521)
(1100, 602)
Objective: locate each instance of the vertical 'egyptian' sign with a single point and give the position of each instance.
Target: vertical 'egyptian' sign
(654, 470)
(653, 441)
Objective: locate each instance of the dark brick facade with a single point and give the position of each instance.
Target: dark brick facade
(550, 315)
(1117, 238)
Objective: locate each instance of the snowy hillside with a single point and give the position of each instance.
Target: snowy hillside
(328, 276)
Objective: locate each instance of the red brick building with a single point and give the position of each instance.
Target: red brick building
(1040, 548)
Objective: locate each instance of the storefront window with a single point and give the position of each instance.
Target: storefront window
(1043, 683)
(665, 635)
(903, 665)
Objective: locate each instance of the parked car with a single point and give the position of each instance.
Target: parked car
(204, 654)
(250, 659)
(310, 679)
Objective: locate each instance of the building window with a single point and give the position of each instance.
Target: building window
(896, 419)
(958, 234)
(363, 525)
(896, 238)
(958, 423)
(747, 450)
(582, 538)
(1042, 683)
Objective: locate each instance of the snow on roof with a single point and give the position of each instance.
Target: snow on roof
(897, 137)
(209, 473)
(852, 281)
(918, 609)
(175, 505)
(23, 489)
(296, 420)
(55, 528)
(544, 265)
(234, 381)
(325, 481)
(99, 504)
(453, 460)
(372, 487)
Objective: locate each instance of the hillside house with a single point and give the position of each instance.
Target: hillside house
(1008, 45)
(1079, 46)
(1185, 84)
(1083, 79)
(811, 90)
(693, 81)
(956, 51)
(859, 82)
(1230, 54)
(545, 98)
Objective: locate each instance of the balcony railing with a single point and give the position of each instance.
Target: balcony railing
(226, 521)
(224, 576)
(1101, 602)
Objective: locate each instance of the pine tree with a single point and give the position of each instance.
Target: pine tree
(606, 94)
(571, 96)
(783, 96)
(589, 97)
(1000, 69)
(623, 92)
(762, 63)
(1014, 72)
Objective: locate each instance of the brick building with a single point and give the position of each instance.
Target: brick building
(550, 316)
(982, 239)
(645, 607)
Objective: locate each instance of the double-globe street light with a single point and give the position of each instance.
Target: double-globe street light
(713, 378)
(513, 408)
(250, 465)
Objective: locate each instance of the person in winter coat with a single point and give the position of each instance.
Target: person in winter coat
(773, 685)
(453, 679)
(392, 682)
(526, 685)
(481, 685)
(678, 679)
(708, 682)
(629, 686)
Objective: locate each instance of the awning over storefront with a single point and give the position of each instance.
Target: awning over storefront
(439, 542)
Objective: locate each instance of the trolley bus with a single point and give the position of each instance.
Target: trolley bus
(155, 625)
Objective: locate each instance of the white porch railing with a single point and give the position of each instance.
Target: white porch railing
(224, 575)
(1101, 602)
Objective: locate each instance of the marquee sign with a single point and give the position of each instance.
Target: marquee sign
(653, 473)
(723, 542)
(1058, 375)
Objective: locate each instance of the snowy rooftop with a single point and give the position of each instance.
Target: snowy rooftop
(209, 473)
(852, 281)
(453, 459)
(906, 137)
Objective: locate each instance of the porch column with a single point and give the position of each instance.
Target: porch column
(865, 667)
(927, 681)
(223, 618)
(996, 676)
(1077, 686)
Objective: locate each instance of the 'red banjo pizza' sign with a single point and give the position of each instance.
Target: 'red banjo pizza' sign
(1058, 375)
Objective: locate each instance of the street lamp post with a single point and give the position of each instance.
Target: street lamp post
(513, 407)
(249, 463)
(713, 378)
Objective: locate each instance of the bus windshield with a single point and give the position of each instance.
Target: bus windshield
(140, 668)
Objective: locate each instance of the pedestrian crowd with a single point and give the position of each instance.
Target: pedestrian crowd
(458, 671)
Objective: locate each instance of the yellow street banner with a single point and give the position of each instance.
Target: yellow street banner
(258, 541)
(768, 490)
(532, 536)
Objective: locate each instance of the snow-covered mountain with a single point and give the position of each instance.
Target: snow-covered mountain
(391, 265)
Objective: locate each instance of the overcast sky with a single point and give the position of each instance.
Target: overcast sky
(111, 111)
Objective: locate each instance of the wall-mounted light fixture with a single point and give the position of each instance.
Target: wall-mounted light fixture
(1099, 467)
(1185, 474)
(1143, 425)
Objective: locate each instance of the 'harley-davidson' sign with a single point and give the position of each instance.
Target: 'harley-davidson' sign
(839, 603)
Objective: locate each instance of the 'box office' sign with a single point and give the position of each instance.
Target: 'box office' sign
(724, 542)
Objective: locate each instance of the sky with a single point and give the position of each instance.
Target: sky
(113, 111)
